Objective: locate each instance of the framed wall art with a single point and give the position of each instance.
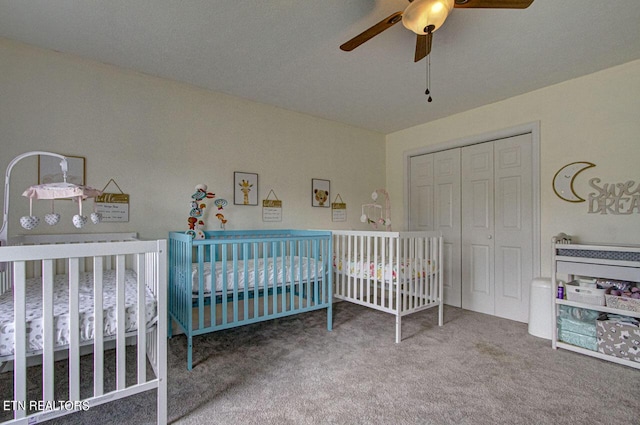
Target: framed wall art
(49, 170)
(320, 193)
(245, 188)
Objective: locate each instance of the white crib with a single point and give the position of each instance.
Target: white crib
(395, 272)
(131, 308)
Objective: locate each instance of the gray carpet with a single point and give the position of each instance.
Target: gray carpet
(476, 369)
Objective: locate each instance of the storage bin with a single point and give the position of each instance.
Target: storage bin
(585, 295)
(618, 338)
(622, 303)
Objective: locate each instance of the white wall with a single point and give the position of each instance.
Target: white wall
(159, 138)
(594, 118)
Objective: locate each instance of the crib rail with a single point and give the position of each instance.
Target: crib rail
(395, 272)
(34, 267)
(149, 260)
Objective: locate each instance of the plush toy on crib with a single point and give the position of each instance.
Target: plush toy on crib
(196, 224)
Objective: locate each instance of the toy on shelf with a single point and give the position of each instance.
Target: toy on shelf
(373, 213)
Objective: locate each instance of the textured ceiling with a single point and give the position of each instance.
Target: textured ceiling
(285, 52)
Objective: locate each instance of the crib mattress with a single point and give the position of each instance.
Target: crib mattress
(274, 270)
(389, 272)
(61, 310)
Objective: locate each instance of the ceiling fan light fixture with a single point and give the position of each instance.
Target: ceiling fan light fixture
(421, 14)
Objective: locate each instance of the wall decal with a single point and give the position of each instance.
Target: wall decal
(563, 180)
(614, 198)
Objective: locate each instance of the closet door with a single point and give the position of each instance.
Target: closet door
(481, 198)
(513, 227)
(435, 205)
(497, 227)
(477, 228)
(421, 193)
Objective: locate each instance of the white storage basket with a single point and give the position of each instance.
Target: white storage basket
(585, 295)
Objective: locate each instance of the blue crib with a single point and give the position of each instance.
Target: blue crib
(234, 278)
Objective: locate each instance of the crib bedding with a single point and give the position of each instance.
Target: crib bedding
(277, 272)
(61, 310)
(405, 268)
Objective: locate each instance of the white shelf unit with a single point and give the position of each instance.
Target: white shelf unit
(617, 262)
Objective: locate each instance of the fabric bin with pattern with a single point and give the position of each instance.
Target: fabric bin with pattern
(619, 336)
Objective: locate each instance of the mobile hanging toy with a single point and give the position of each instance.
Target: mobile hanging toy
(58, 190)
(373, 214)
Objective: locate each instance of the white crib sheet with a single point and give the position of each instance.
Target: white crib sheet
(375, 269)
(61, 310)
(307, 264)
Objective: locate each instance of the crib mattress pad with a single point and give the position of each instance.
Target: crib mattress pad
(276, 270)
(389, 272)
(61, 310)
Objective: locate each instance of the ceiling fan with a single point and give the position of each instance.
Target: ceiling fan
(424, 17)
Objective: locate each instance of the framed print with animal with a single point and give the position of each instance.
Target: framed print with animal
(245, 188)
(320, 193)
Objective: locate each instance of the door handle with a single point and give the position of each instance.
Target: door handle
(489, 237)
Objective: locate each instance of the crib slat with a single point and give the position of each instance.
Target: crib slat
(98, 323)
(265, 280)
(225, 284)
(285, 273)
(121, 353)
(142, 319)
(274, 277)
(74, 330)
(316, 273)
(200, 307)
(236, 282)
(214, 284)
(245, 271)
(256, 281)
(47, 331)
(20, 349)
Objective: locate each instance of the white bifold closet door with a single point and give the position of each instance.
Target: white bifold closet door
(435, 205)
(481, 198)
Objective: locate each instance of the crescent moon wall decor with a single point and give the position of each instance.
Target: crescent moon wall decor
(563, 180)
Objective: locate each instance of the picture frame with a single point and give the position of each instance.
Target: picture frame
(245, 188)
(49, 170)
(320, 193)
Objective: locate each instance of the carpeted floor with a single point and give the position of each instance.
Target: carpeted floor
(476, 369)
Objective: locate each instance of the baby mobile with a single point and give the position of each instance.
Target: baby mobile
(51, 191)
(196, 215)
(373, 214)
(54, 191)
(60, 190)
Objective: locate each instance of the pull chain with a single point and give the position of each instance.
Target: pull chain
(428, 78)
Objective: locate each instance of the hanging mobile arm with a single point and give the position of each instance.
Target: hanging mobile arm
(7, 179)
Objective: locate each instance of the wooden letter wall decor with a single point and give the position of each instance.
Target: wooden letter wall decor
(614, 198)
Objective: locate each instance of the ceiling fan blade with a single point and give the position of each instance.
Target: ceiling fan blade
(423, 46)
(368, 34)
(494, 4)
